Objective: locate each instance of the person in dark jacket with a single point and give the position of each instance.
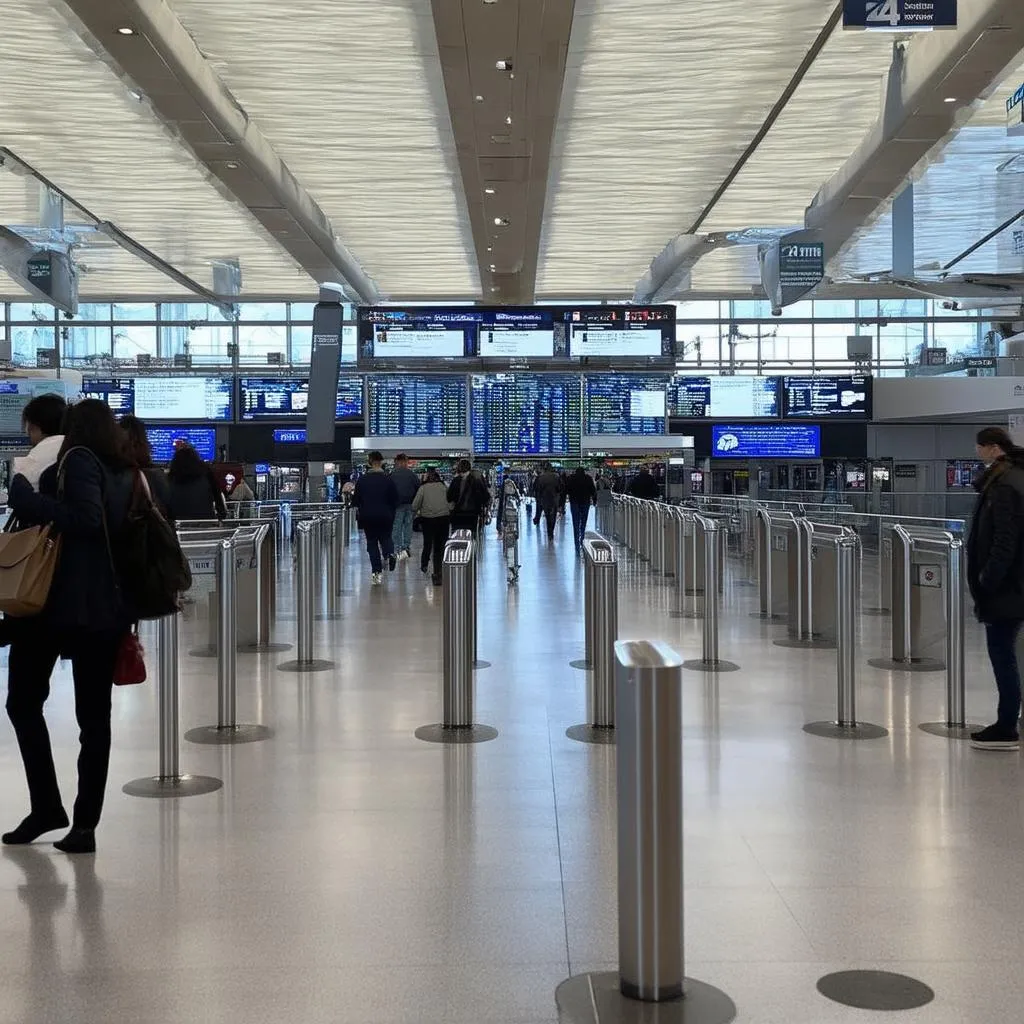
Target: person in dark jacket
(195, 493)
(549, 497)
(995, 575)
(582, 495)
(85, 496)
(141, 454)
(643, 485)
(468, 496)
(375, 500)
(407, 483)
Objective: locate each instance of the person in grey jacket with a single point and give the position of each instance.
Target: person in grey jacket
(407, 483)
(431, 505)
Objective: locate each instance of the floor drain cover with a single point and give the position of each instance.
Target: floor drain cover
(875, 990)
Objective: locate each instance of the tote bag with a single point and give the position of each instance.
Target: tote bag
(28, 560)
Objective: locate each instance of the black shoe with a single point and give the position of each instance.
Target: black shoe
(33, 827)
(425, 568)
(392, 562)
(437, 581)
(78, 840)
(995, 738)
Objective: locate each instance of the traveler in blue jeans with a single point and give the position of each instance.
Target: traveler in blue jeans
(582, 495)
(407, 483)
(995, 575)
(375, 500)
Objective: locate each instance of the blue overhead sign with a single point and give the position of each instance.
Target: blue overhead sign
(899, 15)
(766, 441)
(1015, 113)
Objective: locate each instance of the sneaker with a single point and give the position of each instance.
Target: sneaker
(402, 555)
(376, 579)
(995, 738)
(392, 562)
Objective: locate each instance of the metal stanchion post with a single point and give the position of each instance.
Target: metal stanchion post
(306, 585)
(227, 730)
(650, 984)
(458, 596)
(709, 660)
(846, 725)
(170, 781)
(587, 661)
(267, 606)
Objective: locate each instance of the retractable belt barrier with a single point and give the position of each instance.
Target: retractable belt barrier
(307, 585)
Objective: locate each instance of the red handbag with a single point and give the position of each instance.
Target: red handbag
(130, 666)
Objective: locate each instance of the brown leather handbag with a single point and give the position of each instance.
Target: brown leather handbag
(28, 560)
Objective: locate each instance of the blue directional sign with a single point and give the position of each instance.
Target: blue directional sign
(899, 15)
(1015, 113)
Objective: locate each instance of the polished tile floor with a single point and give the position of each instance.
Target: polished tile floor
(349, 873)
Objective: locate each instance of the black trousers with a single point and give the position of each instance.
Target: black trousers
(34, 653)
(435, 533)
(465, 521)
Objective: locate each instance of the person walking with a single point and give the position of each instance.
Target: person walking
(582, 496)
(431, 505)
(643, 485)
(195, 493)
(549, 496)
(85, 497)
(407, 483)
(995, 576)
(375, 500)
(468, 496)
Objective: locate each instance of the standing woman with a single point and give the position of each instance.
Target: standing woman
(85, 496)
(141, 455)
(195, 493)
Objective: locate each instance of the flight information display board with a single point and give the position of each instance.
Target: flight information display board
(283, 398)
(527, 414)
(644, 333)
(766, 441)
(725, 397)
(400, 405)
(827, 397)
(163, 441)
(417, 333)
(184, 398)
(117, 392)
(620, 403)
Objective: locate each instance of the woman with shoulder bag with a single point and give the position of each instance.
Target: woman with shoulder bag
(195, 493)
(85, 497)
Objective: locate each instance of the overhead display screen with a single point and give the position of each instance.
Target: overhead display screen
(164, 440)
(827, 397)
(632, 332)
(725, 397)
(282, 398)
(621, 403)
(184, 398)
(117, 392)
(410, 405)
(427, 332)
(527, 414)
(296, 436)
(766, 441)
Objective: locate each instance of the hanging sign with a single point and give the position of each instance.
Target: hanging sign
(899, 15)
(1015, 113)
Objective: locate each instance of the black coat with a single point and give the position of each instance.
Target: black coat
(196, 497)
(84, 596)
(644, 486)
(581, 489)
(995, 544)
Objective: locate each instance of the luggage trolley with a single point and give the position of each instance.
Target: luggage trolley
(510, 531)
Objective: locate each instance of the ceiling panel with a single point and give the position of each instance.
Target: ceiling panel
(66, 113)
(350, 93)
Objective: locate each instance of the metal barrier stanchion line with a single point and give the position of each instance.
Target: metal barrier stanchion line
(306, 580)
(710, 661)
(170, 782)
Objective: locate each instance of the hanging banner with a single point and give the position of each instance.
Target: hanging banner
(899, 15)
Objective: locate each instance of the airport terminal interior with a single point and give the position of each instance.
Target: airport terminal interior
(685, 738)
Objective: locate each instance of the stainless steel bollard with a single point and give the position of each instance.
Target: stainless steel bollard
(649, 769)
(458, 598)
(307, 578)
(711, 530)
(170, 782)
(846, 725)
(346, 526)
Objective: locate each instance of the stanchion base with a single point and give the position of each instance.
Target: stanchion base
(305, 666)
(806, 645)
(478, 664)
(874, 610)
(597, 734)
(700, 665)
(582, 664)
(766, 617)
(268, 648)
(456, 734)
(597, 999)
(914, 665)
(329, 616)
(160, 787)
(686, 615)
(875, 990)
(215, 735)
(203, 652)
(835, 731)
(951, 732)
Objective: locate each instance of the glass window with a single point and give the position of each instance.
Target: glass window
(133, 340)
(900, 342)
(89, 344)
(960, 337)
(255, 342)
(28, 312)
(136, 311)
(192, 312)
(27, 338)
(263, 312)
(304, 311)
(837, 309)
(830, 343)
(748, 309)
(94, 312)
(301, 348)
(206, 345)
(787, 343)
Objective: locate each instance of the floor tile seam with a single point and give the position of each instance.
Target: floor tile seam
(789, 910)
(558, 842)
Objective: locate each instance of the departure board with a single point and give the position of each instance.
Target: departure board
(642, 333)
(118, 393)
(283, 398)
(827, 397)
(527, 414)
(426, 405)
(766, 441)
(623, 403)
(184, 398)
(737, 397)
(164, 440)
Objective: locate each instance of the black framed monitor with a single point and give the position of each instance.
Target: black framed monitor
(625, 403)
(286, 398)
(827, 397)
(416, 405)
(621, 336)
(117, 392)
(766, 441)
(733, 397)
(175, 399)
(164, 440)
(526, 414)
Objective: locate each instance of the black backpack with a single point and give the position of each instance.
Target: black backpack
(151, 567)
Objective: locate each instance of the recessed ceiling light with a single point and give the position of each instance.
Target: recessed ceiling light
(232, 165)
(489, 191)
(494, 266)
(503, 65)
(125, 30)
(951, 99)
(494, 289)
(478, 98)
(501, 222)
(508, 119)
(490, 248)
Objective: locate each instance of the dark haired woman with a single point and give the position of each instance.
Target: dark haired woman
(85, 496)
(141, 454)
(195, 493)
